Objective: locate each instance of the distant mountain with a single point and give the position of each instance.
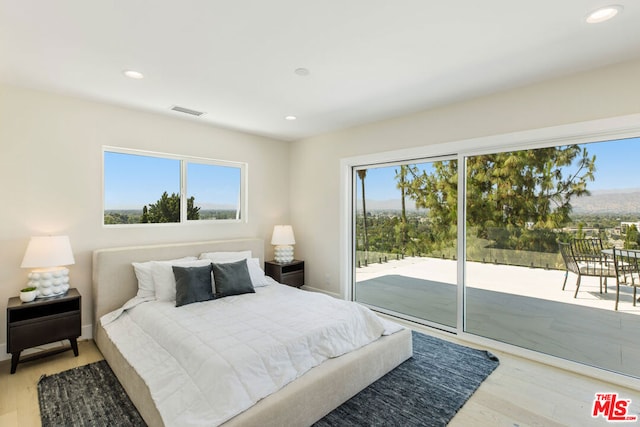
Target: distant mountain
(620, 201)
(386, 205)
(623, 201)
(216, 206)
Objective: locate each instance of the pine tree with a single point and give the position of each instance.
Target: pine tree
(509, 195)
(167, 209)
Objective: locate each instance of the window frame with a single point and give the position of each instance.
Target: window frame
(183, 185)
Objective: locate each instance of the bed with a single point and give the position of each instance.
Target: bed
(299, 403)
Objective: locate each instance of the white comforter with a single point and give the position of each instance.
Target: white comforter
(206, 362)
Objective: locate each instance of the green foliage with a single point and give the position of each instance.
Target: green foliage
(167, 209)
(632, 238)
(384, 237)
(145, 214)
(122, 217)
(511, 197)
(402, 229)
(164, 210)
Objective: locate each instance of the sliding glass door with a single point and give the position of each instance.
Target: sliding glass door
(520, 205)
(405, 223)
(511, 283)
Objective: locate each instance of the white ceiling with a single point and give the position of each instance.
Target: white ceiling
(368, 59)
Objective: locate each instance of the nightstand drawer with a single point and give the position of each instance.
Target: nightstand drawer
(33, 333)
(295, 278)
(291, 273)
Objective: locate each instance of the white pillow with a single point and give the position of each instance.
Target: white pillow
(146, 287)
(258, 278)
(165, 281)
(256, 273)
(224, 257)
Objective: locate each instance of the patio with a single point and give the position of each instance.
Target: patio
(522, 306)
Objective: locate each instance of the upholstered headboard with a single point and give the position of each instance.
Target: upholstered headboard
(114, 280)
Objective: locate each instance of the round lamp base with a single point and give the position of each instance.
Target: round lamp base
(283, 254)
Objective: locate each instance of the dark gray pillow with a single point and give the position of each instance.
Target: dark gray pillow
(232, 279)
(193, 284)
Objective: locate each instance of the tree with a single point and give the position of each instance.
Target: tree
(507, 193)
(362, 174)
(145, 215)
(437, 192)
(402, 228)
(632, 237)
(167, 209)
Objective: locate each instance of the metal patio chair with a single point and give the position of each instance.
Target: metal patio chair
(584, 257)
(627, 266)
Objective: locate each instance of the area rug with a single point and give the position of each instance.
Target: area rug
(87, 396)
(426, 390)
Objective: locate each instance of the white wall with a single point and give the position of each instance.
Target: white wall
(51, 178)
(315, 162)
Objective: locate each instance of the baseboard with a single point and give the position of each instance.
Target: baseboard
(86, 334)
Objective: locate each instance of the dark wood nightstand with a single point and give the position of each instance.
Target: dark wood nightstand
(43, 321)
(291, 273)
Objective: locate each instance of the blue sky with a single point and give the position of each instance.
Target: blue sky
(132, 181)
(617, 163)
(213, 185)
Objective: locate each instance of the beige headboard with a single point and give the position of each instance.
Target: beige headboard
(114, 281)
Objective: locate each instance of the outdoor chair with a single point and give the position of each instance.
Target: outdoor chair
(584, 257)
(627, 266)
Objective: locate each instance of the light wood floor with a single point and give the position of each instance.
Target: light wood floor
(19, 392)
(518, 393)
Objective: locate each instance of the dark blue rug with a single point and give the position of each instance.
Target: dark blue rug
(426, 390)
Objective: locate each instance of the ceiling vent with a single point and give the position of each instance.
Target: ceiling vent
(187, 111)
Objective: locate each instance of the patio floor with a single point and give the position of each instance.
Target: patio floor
(522, 306)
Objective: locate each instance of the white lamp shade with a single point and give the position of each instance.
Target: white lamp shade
(48, 251)
(283, 235)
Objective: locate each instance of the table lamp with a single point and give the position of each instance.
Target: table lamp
(283, 238)
(48, 255)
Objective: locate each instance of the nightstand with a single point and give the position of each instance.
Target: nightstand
(43, 321)
(291, 273)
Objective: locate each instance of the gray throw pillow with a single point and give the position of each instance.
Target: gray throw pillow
(232, 278)
(193, 284)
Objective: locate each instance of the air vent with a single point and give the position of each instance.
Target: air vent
(187, 111)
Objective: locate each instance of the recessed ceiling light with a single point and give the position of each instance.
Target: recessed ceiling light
(603, 14)
(133, 74)
(291, 118)
(302, 72)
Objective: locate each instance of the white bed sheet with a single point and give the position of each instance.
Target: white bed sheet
(206, 362)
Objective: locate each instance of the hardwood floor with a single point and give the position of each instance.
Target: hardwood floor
(518, 393)
(19, 393)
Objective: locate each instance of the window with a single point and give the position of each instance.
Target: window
(216, 189)
(152, 188)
